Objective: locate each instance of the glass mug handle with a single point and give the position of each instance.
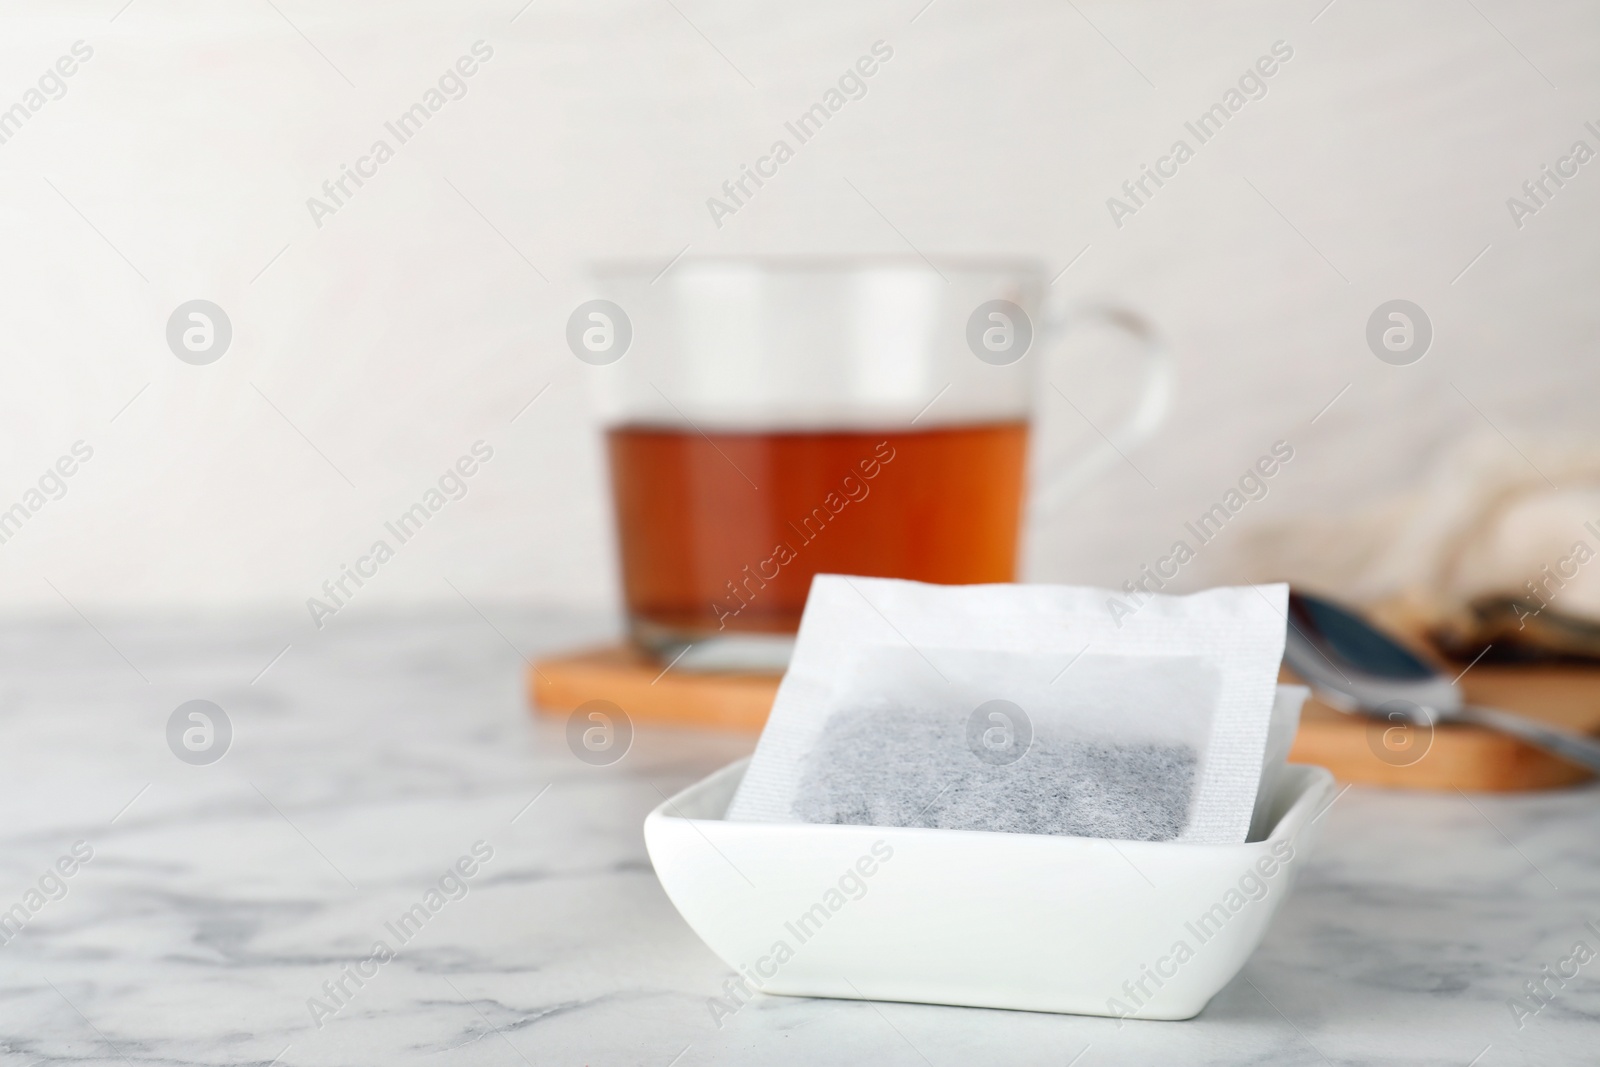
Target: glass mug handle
(1148, 412)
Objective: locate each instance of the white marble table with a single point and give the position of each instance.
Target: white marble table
(373, 756)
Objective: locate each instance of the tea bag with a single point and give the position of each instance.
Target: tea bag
(1025, 709)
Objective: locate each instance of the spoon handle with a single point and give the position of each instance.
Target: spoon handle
(1576, 748)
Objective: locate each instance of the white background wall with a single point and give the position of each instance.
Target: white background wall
(406, 327)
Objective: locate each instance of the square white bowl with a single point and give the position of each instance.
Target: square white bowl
(1135, 929)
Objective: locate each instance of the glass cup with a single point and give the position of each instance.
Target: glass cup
(769, 420)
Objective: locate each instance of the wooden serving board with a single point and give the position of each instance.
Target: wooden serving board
(637, 684)
(1459, 757)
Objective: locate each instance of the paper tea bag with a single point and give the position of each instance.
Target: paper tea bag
(1025, 709)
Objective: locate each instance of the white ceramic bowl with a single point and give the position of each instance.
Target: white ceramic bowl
(1133, 929)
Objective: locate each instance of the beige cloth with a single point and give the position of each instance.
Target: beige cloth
(1490, 533)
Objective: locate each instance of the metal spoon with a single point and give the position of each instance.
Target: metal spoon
(1358, 668)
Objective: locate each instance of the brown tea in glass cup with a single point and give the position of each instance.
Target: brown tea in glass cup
(768, 421)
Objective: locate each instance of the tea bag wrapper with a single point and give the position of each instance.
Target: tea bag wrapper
(1027, 709)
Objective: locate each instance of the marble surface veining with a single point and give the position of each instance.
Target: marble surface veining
(368, 761)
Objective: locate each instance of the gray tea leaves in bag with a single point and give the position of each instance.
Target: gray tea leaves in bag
(875, 766)
(1052, 759)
